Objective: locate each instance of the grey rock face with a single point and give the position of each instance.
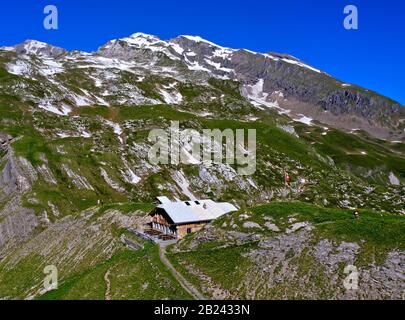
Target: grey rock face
(16, 225)
(272, 227)
(251, 225)
(16, 222)
(330, 256)
(345, 101)
(38, 48)
(386, 281)
(18, 174)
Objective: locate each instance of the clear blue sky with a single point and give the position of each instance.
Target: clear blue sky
(311, 30)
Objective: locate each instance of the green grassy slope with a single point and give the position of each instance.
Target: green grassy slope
(230, 265)
(132, 275)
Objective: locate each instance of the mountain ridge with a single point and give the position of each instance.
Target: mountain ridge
(313, 93)
(137, 34)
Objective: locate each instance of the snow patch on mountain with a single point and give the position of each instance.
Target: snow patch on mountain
(298, 63)
(62, 110)
(81, 101)
(195, 66)
(131, 177)
(259, 98)
(172, 97)
(51, 67)
(19, 68)
(116, 128)
(223, 53)
(153, 43)
(199, 39)
(218, 66)
(303, 119)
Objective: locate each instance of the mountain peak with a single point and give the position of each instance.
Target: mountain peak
(35, 47)
(140, 40)
(143, 35)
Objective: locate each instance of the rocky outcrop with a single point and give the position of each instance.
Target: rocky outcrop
(39, 48)
(296, 263)
(16, 225)
(347, 101)
(17, 176)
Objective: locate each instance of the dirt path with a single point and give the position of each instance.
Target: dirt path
(183, 282)
(107, 295)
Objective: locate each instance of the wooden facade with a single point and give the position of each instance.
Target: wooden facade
(162, 223)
